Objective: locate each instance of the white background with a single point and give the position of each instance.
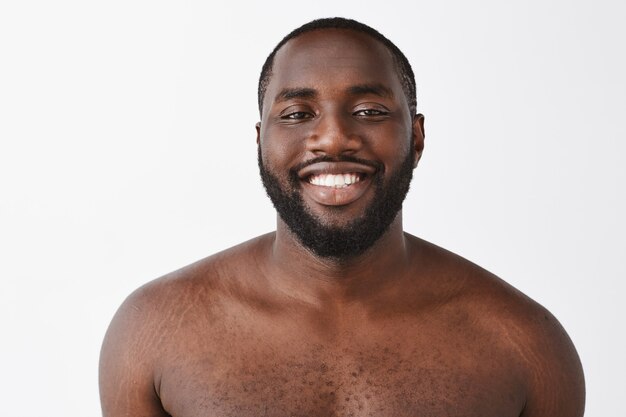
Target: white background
(128, 150)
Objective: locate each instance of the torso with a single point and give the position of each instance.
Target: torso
(221, 355)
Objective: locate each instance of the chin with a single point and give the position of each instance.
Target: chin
(329, 234)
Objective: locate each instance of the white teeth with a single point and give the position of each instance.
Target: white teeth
(332, 180)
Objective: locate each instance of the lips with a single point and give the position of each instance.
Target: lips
(336, 183)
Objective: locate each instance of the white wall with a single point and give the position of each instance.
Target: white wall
(128, 150)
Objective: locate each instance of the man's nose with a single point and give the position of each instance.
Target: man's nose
(334, 135)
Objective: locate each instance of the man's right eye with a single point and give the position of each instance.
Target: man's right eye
(296, 115)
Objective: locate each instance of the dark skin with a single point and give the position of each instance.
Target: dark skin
(269, 329)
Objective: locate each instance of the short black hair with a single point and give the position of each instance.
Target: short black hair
(405, 72)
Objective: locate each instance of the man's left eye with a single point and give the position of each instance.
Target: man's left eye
(370, 112)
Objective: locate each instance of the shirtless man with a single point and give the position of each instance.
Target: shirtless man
(339, 312)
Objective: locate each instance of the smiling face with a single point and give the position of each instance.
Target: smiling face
(337, 142)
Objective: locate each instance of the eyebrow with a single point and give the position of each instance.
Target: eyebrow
(291, 93)
(356, 90)
(375, 89)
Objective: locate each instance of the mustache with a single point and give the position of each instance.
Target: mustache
(343, 158)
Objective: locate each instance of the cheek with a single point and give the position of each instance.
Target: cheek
(280, 150)
(391, 146)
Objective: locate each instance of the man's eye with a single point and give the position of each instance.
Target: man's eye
(297, 115)
(371, 112)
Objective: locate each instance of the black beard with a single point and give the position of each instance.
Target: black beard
(358, 235)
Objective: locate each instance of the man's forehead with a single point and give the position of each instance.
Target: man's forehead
(336, 45)
(333, 57)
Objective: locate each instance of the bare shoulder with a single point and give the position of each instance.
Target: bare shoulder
(158, 318)
(164, 301)
(526, 332)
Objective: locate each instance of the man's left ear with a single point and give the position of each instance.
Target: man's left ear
(258, 132)
(418, 136)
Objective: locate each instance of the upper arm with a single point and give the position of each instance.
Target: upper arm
(555, 381)
(126, 376)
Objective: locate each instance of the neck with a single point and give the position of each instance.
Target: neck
(315, 279)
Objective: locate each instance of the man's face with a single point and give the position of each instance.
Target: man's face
(337, 143)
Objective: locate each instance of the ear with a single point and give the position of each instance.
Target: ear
(418, 136)
(258, 132)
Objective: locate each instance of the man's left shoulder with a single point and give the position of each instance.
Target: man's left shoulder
(482, 296)
(518, 334)
(533, 337)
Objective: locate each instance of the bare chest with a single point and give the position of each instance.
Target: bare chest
(382, 379)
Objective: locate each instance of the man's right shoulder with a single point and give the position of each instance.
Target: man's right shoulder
(161, 316)
(209, 277)
(203, 290)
